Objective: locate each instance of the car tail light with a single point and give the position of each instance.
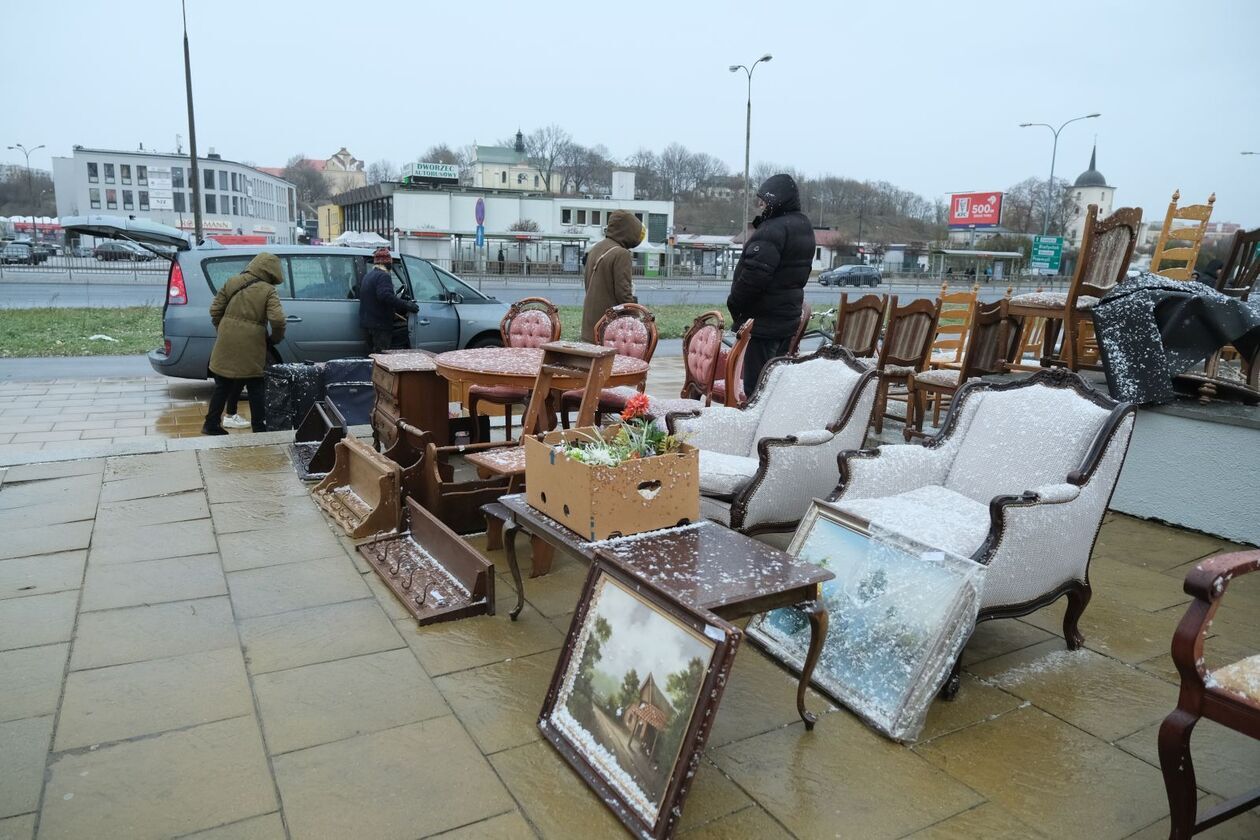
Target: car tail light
(166, 347)
(176, 292)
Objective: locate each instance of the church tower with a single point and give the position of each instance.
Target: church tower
(1090, 188)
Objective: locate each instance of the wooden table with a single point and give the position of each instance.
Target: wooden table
(706, 565)
(518, 367)
(409, 387)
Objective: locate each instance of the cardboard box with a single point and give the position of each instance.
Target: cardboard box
(601, 502)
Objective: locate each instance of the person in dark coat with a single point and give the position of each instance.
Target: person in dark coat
(770, 278)
(502, 260)
(378, 303)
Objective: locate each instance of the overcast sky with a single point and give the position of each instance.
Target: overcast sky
(926, 95)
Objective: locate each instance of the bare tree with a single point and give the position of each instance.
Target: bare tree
(381, 171)
(646, 166)
(524, 225)
(440, 153)
(312, 189)
(544, 148)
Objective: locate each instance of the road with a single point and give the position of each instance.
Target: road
(23, 295)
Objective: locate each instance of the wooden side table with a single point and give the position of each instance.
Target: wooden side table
(409, 387)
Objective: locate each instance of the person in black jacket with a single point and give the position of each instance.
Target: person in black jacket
(378, 303)
(770, 278)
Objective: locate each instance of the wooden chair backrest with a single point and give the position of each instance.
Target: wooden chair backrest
(1186, 254)
(732, 366)
(858, 323)
(524, 324)
(1242, 268)
(568, 360)
(807, 312)
(702, 345)
(630, 329)
(909, 334)
(1106, 249)
(956, 311)
(992, 343)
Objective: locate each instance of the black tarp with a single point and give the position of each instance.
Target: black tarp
(291, 390)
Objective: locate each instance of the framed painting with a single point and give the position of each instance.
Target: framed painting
(634, 694)
(900, 613)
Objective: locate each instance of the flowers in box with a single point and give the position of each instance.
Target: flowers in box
(636, 437)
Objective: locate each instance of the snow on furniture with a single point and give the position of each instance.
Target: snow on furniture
(1018, 478)
(529, 322)
(859, 322)
(729, 388)
(630, 329)
(903, 352)
(1229, 696)
(760, 467)
(702, 344)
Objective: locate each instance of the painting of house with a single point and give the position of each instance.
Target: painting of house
(647, 719)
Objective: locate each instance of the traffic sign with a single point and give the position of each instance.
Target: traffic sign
(479, 212)
(481, 236)
(1047, 253)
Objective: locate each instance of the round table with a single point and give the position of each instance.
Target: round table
(518, 367)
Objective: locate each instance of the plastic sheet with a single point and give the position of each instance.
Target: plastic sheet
(291, 389)
(348, 386)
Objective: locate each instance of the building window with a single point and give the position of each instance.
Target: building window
(109, 173)
(503, 177)
(128, 204)
(124, 172)
(180, 207)
(581, 217)
(566, 216)
(594, 217)
(94, 196)
(142, 175)
(223, 180)
(211, 206)
(535, 182)
(144, 199)
(177, 177)
(639, 216)
(208, 178)
(93, 174)
(236, 207)
(111, 198)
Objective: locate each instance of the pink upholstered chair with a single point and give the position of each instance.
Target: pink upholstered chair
(702, 347)
(729, 389)
(631, 330)
(530, 322)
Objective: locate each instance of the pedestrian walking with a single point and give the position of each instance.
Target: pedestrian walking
(609, 277)
(502, 260)
(770, 278)
(378, 304)
(528, 265)
(241, 312)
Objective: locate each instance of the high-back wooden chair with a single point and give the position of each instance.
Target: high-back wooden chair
(702, 345)
(858, 323)
(957, 309)
(807, 312)
(630, 329)
(529, 322)
(728, 387)
(1182, 256)
(905, 351)
(991, 347)
(1242, 268)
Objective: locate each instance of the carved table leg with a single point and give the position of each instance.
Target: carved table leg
(509, 544)
(543, 554)
(817, 635)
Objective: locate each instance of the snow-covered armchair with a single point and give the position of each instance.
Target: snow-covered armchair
(1018, 478)
(761, 466)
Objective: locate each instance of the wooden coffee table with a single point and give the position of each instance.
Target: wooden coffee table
(706, 565)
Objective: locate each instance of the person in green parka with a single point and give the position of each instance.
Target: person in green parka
(241, 311)
(609, 276)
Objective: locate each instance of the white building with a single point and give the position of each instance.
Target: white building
(236, 199)
(508, 168)
(1090, 188)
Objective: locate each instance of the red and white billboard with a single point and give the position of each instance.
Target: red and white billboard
(983, 209)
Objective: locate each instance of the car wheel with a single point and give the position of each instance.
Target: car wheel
(485, 341)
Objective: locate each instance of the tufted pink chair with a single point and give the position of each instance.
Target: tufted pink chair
(630, 329)
(729, 390)
(530, 322)
(702, 347)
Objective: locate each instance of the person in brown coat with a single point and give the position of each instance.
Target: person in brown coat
(241, 311)
(608, 279)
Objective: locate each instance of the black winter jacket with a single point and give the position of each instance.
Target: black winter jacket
(377, 301)
(770, 278)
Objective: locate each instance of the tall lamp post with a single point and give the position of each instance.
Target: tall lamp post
(192, 136)
(1045, 224)
(30, 185)
(748, 131)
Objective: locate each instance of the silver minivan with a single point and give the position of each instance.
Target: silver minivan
(319, 294)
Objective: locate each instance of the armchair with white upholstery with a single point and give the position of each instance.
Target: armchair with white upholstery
(761, 466)
(1018, 478)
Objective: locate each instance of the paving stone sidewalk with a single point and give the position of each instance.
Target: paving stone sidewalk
(187, 648)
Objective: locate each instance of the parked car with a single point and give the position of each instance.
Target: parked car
(320, 298)
(851, 275)
(19, 253)
(122, 250)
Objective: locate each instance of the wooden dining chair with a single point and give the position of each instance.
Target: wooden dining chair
(1182, 255)
(807, 312)
(728, 387)
(905, 350)
(529, 322)
(991, 347)
(957, 309)
(630, 329)
(702, 345)
(858, 323)
(1106, 249)
(1242, 268)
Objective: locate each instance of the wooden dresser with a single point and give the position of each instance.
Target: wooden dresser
(408, 387)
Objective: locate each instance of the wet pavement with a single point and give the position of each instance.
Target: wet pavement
(189, 648)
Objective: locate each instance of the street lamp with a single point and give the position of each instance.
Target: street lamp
(748, 129)
(30, 188)
(1251, 153)
(1045, 224)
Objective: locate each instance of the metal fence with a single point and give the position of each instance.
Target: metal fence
(88, 269)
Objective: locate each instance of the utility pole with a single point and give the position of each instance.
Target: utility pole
(748, 133)
(192, 134)
(30, 185)
(1045, 222)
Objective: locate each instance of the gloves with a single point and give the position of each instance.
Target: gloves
(412, 306)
